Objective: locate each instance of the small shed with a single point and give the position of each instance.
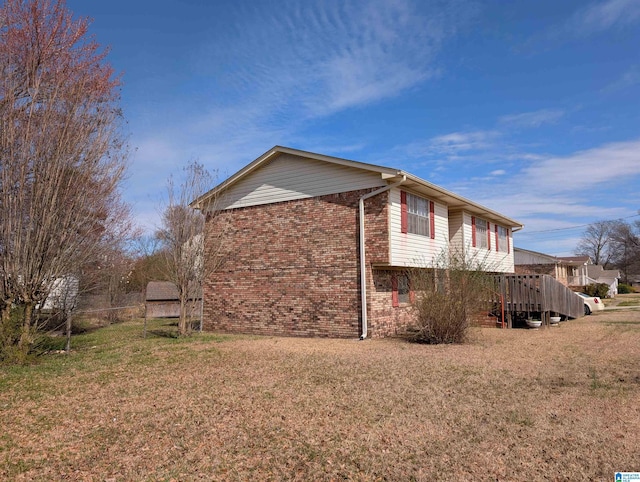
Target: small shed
(162, 301)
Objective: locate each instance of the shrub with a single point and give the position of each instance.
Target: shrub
(597, 289)
(624, 289)
(10, 331)
(447, 298)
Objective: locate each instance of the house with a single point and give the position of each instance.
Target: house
(319, 245)
(162, 301)
(610, 277)
(574, 271)
(568, 270)
(63, 294)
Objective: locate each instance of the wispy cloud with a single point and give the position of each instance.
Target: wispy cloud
(318, 58)
(589, 168)
(592, 19)
(601, 16)
(281, 65)
(456, 142)
(569, 186)
(533, 119)
(630, 78)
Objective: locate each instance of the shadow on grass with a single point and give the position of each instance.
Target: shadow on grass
(169, 329)
(163, 333)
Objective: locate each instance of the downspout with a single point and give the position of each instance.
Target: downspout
(363, 270)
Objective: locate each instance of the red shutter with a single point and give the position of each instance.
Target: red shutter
(508, 244)
(497, 241)
(403, 212)
(473, 231)
(488, 235)
(394, 291)
(432, 220)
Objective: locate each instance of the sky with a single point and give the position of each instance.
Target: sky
(529, 108)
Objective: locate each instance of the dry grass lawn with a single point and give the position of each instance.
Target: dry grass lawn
(512, 405)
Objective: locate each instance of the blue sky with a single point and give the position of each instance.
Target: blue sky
(531, 108)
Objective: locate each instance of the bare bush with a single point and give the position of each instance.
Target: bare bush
(447, 298)
(184, 259)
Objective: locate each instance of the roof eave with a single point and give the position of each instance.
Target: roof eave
(456, 201)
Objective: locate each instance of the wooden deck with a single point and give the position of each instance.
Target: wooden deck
(537, 296)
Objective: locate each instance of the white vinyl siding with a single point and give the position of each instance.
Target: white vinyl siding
(490, 260)
(456, 232)
(290, 177)
(408, 249)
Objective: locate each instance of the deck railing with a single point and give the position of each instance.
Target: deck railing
(536, 293)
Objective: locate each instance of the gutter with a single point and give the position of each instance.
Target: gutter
(363, 270)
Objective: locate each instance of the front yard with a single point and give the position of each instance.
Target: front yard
(554, 404)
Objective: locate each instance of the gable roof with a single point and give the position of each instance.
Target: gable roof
(161, 291)
(566, 260)
(596, 271)
(430, 190)
(540, 258)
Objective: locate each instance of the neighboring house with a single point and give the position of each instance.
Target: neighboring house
(319, 246)
(609, 277)
(63, 294)
(570, 271)
(574, 271)
(580, 271)
(162, 301)
(633, 280)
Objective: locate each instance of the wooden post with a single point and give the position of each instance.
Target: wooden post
(68, 347)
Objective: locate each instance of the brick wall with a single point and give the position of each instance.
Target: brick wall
(385, 319)
(292, 267)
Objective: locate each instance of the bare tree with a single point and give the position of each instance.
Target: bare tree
(625, 241)
(61, 151)
(613, 244)
(182, 234)
(149, 262)
(597, 243)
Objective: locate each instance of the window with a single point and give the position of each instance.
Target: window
(503, 239)
(480, 233)
(401, 289)
(417, 215)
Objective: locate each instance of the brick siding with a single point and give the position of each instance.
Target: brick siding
(293, 267)
(385, 319)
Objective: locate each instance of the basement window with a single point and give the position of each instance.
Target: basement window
(401, 289)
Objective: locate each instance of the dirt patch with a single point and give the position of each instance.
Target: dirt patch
(552, 404)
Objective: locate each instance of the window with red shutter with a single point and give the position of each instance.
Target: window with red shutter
(502, 234)
(480, 233)
(416, 214)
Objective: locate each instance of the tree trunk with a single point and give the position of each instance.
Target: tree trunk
(26, 338)
(69, 325)
(182, 324)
